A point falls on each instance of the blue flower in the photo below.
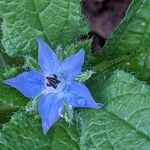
(55, 84)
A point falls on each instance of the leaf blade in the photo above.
(124, 122)
(53, 21)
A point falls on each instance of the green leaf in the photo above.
(0, 31)
(138, 64)
(24, 132)
(129, 44)
(124, 122)
(75, 47)
(2, 61)
(58, 22)
(133, 33)
(6, 112)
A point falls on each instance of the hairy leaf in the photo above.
(24, 132)
(129, 44)
(133, 33)
(123, 123)
(58, 22)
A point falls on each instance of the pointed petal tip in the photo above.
(8, 82)
(45, 128)
(45, 131)
(81, 51)
(100, 105)
(5, 81)
(40, 40)
(81, 54)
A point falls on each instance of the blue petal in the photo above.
(30, 84)
(50, 108)
(72, 66)
(78, 95)
(48, 60)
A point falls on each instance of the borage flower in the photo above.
(55, 84)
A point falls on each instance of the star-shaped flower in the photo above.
(55, 84)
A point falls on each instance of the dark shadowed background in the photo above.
(103, 17)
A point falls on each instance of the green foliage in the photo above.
(130, 42)
(123, 123)
(6, 112)
(58, 22)
(133, 33)
(24, 132)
